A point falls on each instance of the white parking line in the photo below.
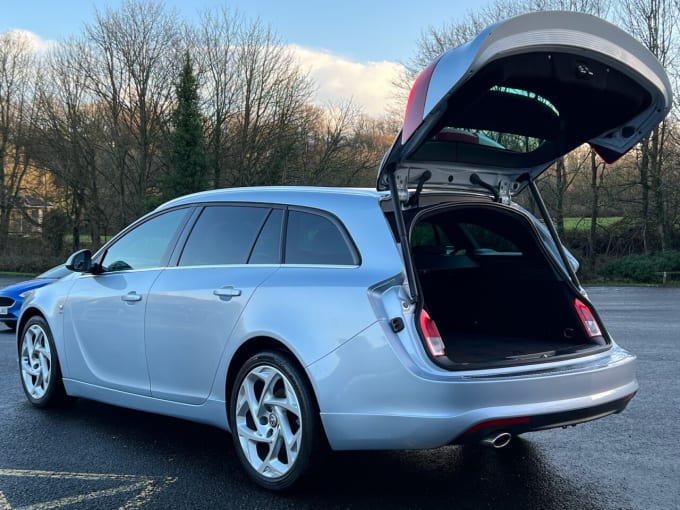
(142, 487)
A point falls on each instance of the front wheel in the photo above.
(274, 420)
(39, 366)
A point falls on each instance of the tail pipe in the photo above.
(497, 440)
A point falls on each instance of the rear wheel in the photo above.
(274, 420)
(39, 366)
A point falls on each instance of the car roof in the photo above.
(312, 196)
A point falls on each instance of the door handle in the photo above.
(227, 292)
(131, 297)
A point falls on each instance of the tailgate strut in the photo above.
(551, 228)
(403, 238)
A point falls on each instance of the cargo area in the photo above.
(491, 289)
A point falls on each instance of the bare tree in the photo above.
(216, 43)
(18, 69)
(271, 94)
(70, 137)
(131, 57)
(254, 93)
(655, 24)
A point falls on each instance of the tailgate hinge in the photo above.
(504, 191)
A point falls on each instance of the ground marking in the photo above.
(143, 488)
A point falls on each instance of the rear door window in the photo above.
(223, 235)
(315, 239)
(267, 249)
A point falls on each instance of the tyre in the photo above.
(39, 366)
(274, 421)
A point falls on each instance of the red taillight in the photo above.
(432, 337)
(501, 423)
(587, 318)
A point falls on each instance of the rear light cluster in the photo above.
(587, 318)
(433, 339)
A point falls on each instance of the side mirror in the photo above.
(80, 261)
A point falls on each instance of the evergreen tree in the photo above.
(187, 156)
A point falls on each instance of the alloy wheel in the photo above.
(36, 361)
(268, 421)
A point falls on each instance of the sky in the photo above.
(352, 48)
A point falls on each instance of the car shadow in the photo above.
(462, 477)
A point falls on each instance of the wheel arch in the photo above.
(27, 315)
(252, 347)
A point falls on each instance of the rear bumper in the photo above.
(522, 424)
(372, 396)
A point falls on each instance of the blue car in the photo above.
(12, 296)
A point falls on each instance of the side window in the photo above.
(314, 239)
(429, 239)
(267, 249)
(223, 235)
(489, 241)
(147, 245)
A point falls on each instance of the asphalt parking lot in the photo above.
(91, 455)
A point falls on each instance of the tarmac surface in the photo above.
(92, 455)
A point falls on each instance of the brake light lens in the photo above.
(433, 339)
(587, 318)
(501, 423)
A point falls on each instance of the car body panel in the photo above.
(377, 398)
(104, 332)
(554, 68)
(187, 325)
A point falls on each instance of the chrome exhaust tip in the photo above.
(497, 440)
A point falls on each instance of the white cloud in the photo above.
(35, 42)
(369, 84)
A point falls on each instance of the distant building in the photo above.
(27, 215)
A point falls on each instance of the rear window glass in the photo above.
(315, 239)
(223, 235)
(485, 130)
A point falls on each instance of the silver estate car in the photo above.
(431, 311)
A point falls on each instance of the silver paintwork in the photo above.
(170, 352)
(537, 32)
